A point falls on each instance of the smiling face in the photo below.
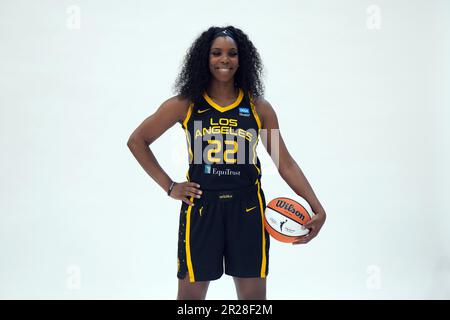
(223, 59)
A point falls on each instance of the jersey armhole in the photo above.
(188, 116)
(255, 114)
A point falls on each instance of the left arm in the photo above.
(288, 168)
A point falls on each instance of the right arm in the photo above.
(169, 113)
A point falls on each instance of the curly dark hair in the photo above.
(195, 75)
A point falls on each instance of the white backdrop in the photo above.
(360, 89)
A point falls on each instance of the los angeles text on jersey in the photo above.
(223, 126)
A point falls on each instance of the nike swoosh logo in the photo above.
(201, 111)
(250, 209)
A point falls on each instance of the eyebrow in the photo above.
(221, 49)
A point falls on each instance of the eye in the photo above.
(233, 54)
(215, 53)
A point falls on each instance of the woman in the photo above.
(221, 108)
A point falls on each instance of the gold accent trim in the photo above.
(254, 153)
(188, 115)
(264, 259)
(258, 121)
(188, 138)
(225, 108)
(188, 244)
(255, 114)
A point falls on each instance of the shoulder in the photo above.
(178, 106)
(178, 103)
(265, 111)
(262, 104)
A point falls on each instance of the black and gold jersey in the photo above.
(222, 143)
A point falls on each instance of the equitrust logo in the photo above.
(219, 172)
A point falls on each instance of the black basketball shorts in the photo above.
(224, 229)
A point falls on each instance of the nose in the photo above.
(224, 60)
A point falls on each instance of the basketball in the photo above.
(284, 218)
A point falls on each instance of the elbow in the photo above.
(133, 141)
(130, 142)
(282, 171)
(285, 167)
(137, 141)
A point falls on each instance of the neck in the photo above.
(222, 90)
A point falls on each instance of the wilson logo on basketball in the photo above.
(285, 218)
(289, 207)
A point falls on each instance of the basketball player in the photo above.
(221, 108)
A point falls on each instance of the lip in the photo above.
(218, 68)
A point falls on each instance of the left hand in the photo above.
(315, 224)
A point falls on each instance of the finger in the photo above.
(310, 231)
(311, 235)
(300, 240)
(310, 223)
(307, 238)
(184, 192)
(188, 202)
(193, 184)
(194, 190)
(191, 194)
(303, 239)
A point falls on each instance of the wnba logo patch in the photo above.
(244, 111)
(207, 168)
